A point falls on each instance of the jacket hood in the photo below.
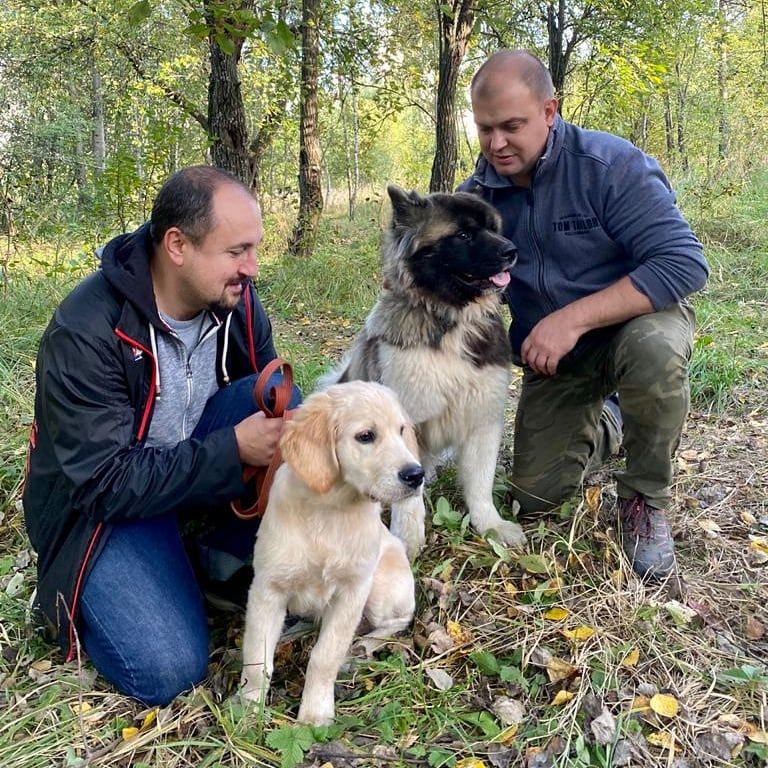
(125, 265)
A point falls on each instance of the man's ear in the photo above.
(174, 241)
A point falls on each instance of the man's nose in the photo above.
(249, 264)
(497, 140)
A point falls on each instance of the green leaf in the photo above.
(291, 742)
(226, 45)
(198, 31)
(445, 516)
(486, 662)
(438, 758)
(482, 720)
(138, 12)
(533, 564)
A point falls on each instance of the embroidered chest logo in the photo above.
(137, 353)
(575, 224)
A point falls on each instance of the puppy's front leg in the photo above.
(407, 523)
(340, 619)
(476, 460)
(264, 618)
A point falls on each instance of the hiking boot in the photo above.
(646, 538)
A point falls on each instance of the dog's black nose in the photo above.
(412, 475)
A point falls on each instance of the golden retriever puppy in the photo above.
(322, 549)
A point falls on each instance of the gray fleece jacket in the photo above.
(598, 209)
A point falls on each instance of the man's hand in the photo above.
(551, 339)
(555, 335)
(257, 438)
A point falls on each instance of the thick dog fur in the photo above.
(322, 550)
(436, 337)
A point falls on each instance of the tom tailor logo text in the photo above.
(575, 225)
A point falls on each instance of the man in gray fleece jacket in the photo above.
(597, 301)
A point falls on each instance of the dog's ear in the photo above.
(407, 207)
(308, 443)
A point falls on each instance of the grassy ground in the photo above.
(559, 657)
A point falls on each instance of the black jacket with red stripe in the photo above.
(88, 467)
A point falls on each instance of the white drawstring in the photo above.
(153, 344)
(224, 373)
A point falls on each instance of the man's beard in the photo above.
(226, 303)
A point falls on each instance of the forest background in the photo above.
(556, 658)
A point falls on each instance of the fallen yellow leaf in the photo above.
(470, 762)
(457, 633)
(759, 543)
(579, 634)
(150, 718)
(665, 705)
(507, 736)
(592, 497)
(640, 704)
(710, 527)
(41, 666)
(753, 733)
(558, 669)
(631, 659)
(129, 733)
(81, 709)
(747, 518)
(561, 697)
(510, 588)
(556, 614)
(662, 739)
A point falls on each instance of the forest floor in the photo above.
(559, 657)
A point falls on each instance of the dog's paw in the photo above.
(407, 523)
(316, 713)
(509, 533)
(254, 690)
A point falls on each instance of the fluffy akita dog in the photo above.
(436, 337)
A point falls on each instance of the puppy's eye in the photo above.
(462, 235)
(365, 437)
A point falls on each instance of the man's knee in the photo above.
(160, 676)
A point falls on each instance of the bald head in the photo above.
(505, 66)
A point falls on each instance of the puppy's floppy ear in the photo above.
(407, 207)
(308, 443)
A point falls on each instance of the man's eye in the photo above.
(365, 437)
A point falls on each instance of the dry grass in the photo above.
(480, 677)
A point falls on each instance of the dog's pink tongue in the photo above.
(501, 279)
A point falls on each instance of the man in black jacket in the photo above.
(144, 418)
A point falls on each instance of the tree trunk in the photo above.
(98, 138)
(455, 27)
(681, 148)
(310, 187)
(668, 129)
(557, 51)
(722, 82)
(226, 111)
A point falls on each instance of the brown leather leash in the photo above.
(261, 477)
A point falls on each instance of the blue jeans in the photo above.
(143, 622)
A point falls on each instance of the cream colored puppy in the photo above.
(322, 549)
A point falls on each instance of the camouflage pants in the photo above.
(562, 430)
